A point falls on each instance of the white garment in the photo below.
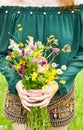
(32, 3)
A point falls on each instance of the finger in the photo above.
(24, 95)
(33, 94)
(41, 103)
(24, 92)
(27, 104)
(28, 99)
(30, 93)
(41, 97)
(27, 108)
(45, 104)
(33, 100)
(39, 91)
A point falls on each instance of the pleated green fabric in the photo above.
(66, 25)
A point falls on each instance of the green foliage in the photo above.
(4, 123)
(39, 119)
(76, 124)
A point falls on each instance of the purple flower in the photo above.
(55, 50)
(21, 72)
(9, 53)
(43, 62)
(23, 66)
(23, 52)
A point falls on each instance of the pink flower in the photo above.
(27, 53)
(12, 67)
(55, 50)
(32, 47)
(35, 61)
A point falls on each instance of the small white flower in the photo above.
(14, 46)
(41, 69)
(63, 67)
(39, 45)
(30, 40)
(54, 65)
(9, 47)
(59, 71)
(8, 58)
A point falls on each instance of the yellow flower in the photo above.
(66, 48)
(49, 47)
(17, 67)
(46, 72)
(53, 83)
(54, 90)
(50, 78)
(20, 29)
(44, 87)
(63, 82)
(22, 62)
(19, 25)
(13, 56)
(51, 36)
(53, 72)
(46, 67)
(56, 41)
(37, 54)
(21, 44)
(56, 77)
(34, 76)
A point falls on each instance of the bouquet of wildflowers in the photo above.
(34, 62)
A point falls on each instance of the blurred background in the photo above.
(76, 124)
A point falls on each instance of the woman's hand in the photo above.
(46, 95)
(36, 98)
(24, 95)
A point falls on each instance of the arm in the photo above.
(75, 65)
(11, 76)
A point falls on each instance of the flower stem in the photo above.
(55, 56)
(49, 55)
(46, 50)
(13, 37)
